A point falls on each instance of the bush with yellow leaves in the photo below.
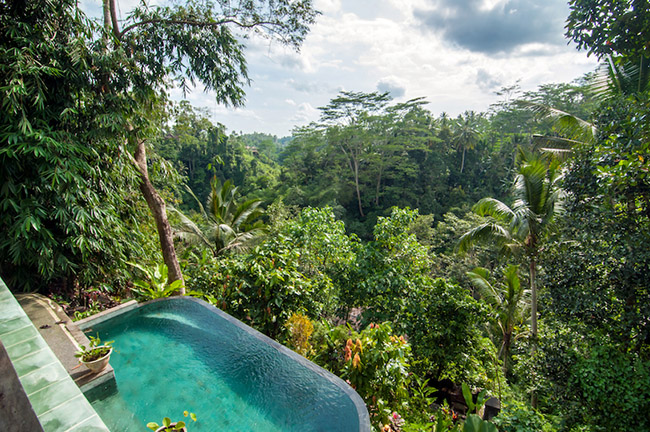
(300, 329)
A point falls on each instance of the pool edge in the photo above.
(362, 411)
(86, 323)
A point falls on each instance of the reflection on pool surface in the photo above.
(182, 354)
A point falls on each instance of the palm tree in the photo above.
(228, 224)
(465, 134)
(523, 227)
(617, 77)
(509, 302)
(622, 76)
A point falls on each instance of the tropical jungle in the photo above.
(500, 254)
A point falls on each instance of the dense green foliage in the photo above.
(200, 150)
(69, 209)
(78, 98)
(606, 27)
(596, 285)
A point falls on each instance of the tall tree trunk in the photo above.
(505, 350)
(159, 211)
(533, 301)
(106, 7)
(378, 186)
(353, 163)
(356, 184)
(154, 200)
(115, 24)
(533, 318)
(462, 163)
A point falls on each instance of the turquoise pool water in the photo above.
(182, 354)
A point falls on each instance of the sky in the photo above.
(455, 53)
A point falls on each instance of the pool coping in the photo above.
(362, 411)
(85, 323)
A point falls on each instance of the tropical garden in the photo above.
(496, 254)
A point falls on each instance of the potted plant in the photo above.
(169, 426)
(96, 356)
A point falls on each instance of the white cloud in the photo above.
(328, 6)
(305, 114)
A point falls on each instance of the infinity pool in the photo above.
(182, 354)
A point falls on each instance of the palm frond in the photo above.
(553, 143)
(560, 148)
(484, 233)
(493, 208)
(479, 278)
(605, 83)
(228, 223)
(241, 242)
(188, 230)
(226, 233)
(621, 77)
(513, 282)
(245, 211)
(530, 185)
(198, 202)
(566, 123)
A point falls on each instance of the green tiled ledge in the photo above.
(55, 398)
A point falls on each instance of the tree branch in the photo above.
(197, 23)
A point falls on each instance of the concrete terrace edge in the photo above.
(40, 371)
(16, 412)
(63, 337)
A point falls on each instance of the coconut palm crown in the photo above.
(228, 223)
(509, 302)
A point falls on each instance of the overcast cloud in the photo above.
(393, 85)
(496, 26)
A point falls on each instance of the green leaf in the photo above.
(467, 394)
(474, 423)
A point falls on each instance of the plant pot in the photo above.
(170, 428)
(100, 364)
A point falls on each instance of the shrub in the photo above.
(264, 287)
(377, 366)
(611, 389)
(327, 342)
(300, 329)
(443, 325)
(520, 417)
